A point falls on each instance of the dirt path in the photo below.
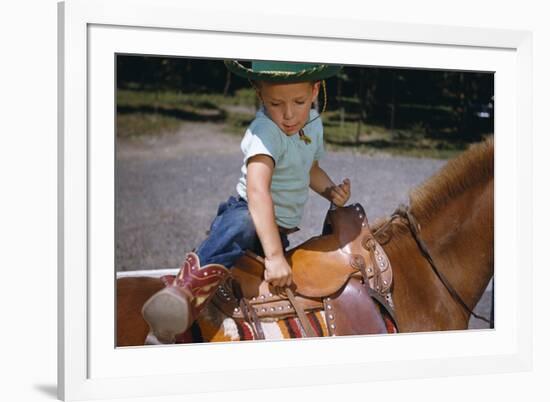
(191, 138)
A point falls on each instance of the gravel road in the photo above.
(168, 189)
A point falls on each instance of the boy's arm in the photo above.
(260, 205)
(320, 182)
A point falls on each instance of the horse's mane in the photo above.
(472, 167)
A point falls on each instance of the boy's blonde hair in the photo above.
(256, 84)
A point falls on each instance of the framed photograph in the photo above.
(100, 39)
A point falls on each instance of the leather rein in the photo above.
(404, 212)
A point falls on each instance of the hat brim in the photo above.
(320, 72)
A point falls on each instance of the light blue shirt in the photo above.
(293, 160)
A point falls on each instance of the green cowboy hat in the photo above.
(278, 71)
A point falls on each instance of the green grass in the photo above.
(152, 113)
(140, 124)
(183, 100)
(237, 123)
(373, 139)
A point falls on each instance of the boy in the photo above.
(281, 149)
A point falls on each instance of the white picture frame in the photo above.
(91, 32)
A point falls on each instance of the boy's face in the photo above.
(288, 105)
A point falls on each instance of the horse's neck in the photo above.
(459, 236)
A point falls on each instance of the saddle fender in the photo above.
(352, 311)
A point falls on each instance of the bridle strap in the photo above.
(404, 212)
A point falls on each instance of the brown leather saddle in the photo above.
(344, 272)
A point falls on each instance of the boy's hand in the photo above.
(340, 194)
(277, 271)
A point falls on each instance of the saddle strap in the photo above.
(306, 325)
(383, 302)
(254, 322)
(248, 311)
(370, 245)
(376, 294)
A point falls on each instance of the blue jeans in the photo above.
(231, 233)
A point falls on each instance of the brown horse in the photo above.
(454, 216)
(454, 212)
